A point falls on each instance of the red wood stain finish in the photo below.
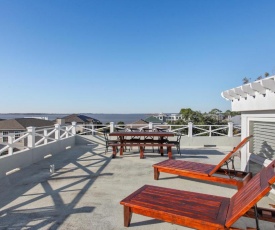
(170, 205)
(197, 210)
(185, 166)
(238, 147)
(251, 193)
(204, 171)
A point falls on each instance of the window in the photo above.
(5, 139)
(16, 134)
(262, 145)
(264, 139)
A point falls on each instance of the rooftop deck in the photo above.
(87, 186)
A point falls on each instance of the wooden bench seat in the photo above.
(197, 210)
(141, 146)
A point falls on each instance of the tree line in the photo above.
(213, 117)
(247, 79)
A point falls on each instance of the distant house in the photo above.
(171, 117)
(144, 123)
(18, 126)
(138, 124)
(161, 116)
(154, 120)
(81, 120)
(236, 120)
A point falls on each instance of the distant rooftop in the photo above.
(23, 123)
(153, 120)
(80, 119)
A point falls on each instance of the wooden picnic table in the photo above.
(142, 142)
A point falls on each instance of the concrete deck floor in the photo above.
(87, 186)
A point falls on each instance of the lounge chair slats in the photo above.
(250, 194)
(170, 205)
(229, 155)
(197, 210)
(185, 167)
(207, 172)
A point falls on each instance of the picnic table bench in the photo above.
(147, 141)
(142, 144)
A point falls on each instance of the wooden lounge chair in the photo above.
(197, 210)
(207, 172)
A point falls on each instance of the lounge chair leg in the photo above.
(256, 217)
(127, 216)
(156, 173)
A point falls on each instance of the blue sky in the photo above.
(130, 56)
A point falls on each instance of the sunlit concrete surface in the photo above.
(85, 190)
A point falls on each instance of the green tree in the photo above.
(215, 111)
(187, 113)
(245, 80)
(259, 78)
(266, 74)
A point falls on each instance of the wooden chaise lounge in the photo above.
(197, 210)
(207, 172)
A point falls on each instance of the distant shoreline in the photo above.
(127, 118)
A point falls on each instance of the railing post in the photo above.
(210, 131)
(10, 151)
(112, 127)
(57, 132)
(151, 125)
(74, 128)
(46, 136)
(93, 129)
(67, 131)
(190, 129)
(230, 129)
(31, 137)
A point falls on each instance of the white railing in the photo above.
(35, 137)
(192, 130)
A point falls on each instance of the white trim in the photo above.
(255, 96)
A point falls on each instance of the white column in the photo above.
(31, 137)
(74, 128)
(230, 129)
(57, 131)
(10, 151)
(190, 129)
(112, 127)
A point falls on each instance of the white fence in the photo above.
(35, 137)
